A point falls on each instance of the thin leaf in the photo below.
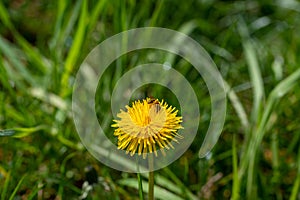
(254, 70)
(235, 177)
(34, 192)
(13, 57)
(20, 132)
(296, 185)
(256, 77)
(4, 79)
(276, 94)
(17, 188)
(156, 13)
(62, 172)
(4, 16)
(61, 7)
(7, 133)
(187, 28)
(50, 98)
(96, 13)
(62, 33)
(237, 105)
(5, 186)
(75, 49)
(32, 54)
(179, 184)
(159, 192)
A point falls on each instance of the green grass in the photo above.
(255, 46)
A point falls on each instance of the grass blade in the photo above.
(141, 194)
(17, 188)
(50, 98)
(4, 16)
(5, 187)
(156, 13)
(296, 185)
(256, 78)
(258, 95)
(235, 177)
(61, 7)
(159, 192)
(96, 13)
(237, 105)
(276, 94)
(180, 185)
(63, 29)
(13, 56)
(75, 49)
(34, 192)
(34, 56)
(254, 71)
(20, 132)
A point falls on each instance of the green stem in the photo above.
(140, 186)
(151, 179)
(235, 178)
(151, 186)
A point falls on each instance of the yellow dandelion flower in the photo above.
(147, 125)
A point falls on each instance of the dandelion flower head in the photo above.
(147, 125)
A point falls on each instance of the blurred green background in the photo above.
(255, 45)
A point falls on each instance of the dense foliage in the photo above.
(255, 45)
